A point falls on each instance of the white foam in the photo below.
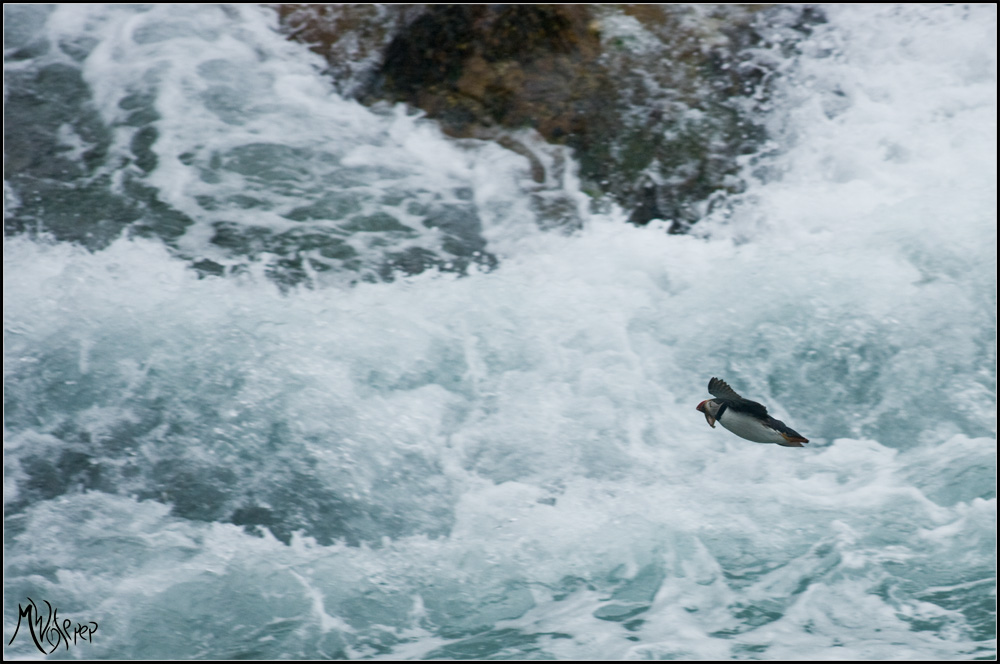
(534, 426)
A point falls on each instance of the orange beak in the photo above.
(708, 418)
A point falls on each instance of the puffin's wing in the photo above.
(720, 389)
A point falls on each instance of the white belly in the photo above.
(748, 427)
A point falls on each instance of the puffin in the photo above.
(747, 419)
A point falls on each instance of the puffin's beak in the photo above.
(708, 418)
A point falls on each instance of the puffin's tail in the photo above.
(792, 438)
(793, 441)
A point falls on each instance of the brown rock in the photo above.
(656, 100)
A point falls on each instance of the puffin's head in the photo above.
(705, 407)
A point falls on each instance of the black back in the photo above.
(728, 397)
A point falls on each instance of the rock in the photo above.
(656, 101)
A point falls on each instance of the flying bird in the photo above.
(747, 419)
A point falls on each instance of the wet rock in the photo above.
(658, 102)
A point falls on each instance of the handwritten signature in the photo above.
(49, 630)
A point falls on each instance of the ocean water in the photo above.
(288, 377)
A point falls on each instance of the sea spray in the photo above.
(505, 461)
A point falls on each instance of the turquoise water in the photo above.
(252, 427)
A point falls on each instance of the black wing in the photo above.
(719, 389)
